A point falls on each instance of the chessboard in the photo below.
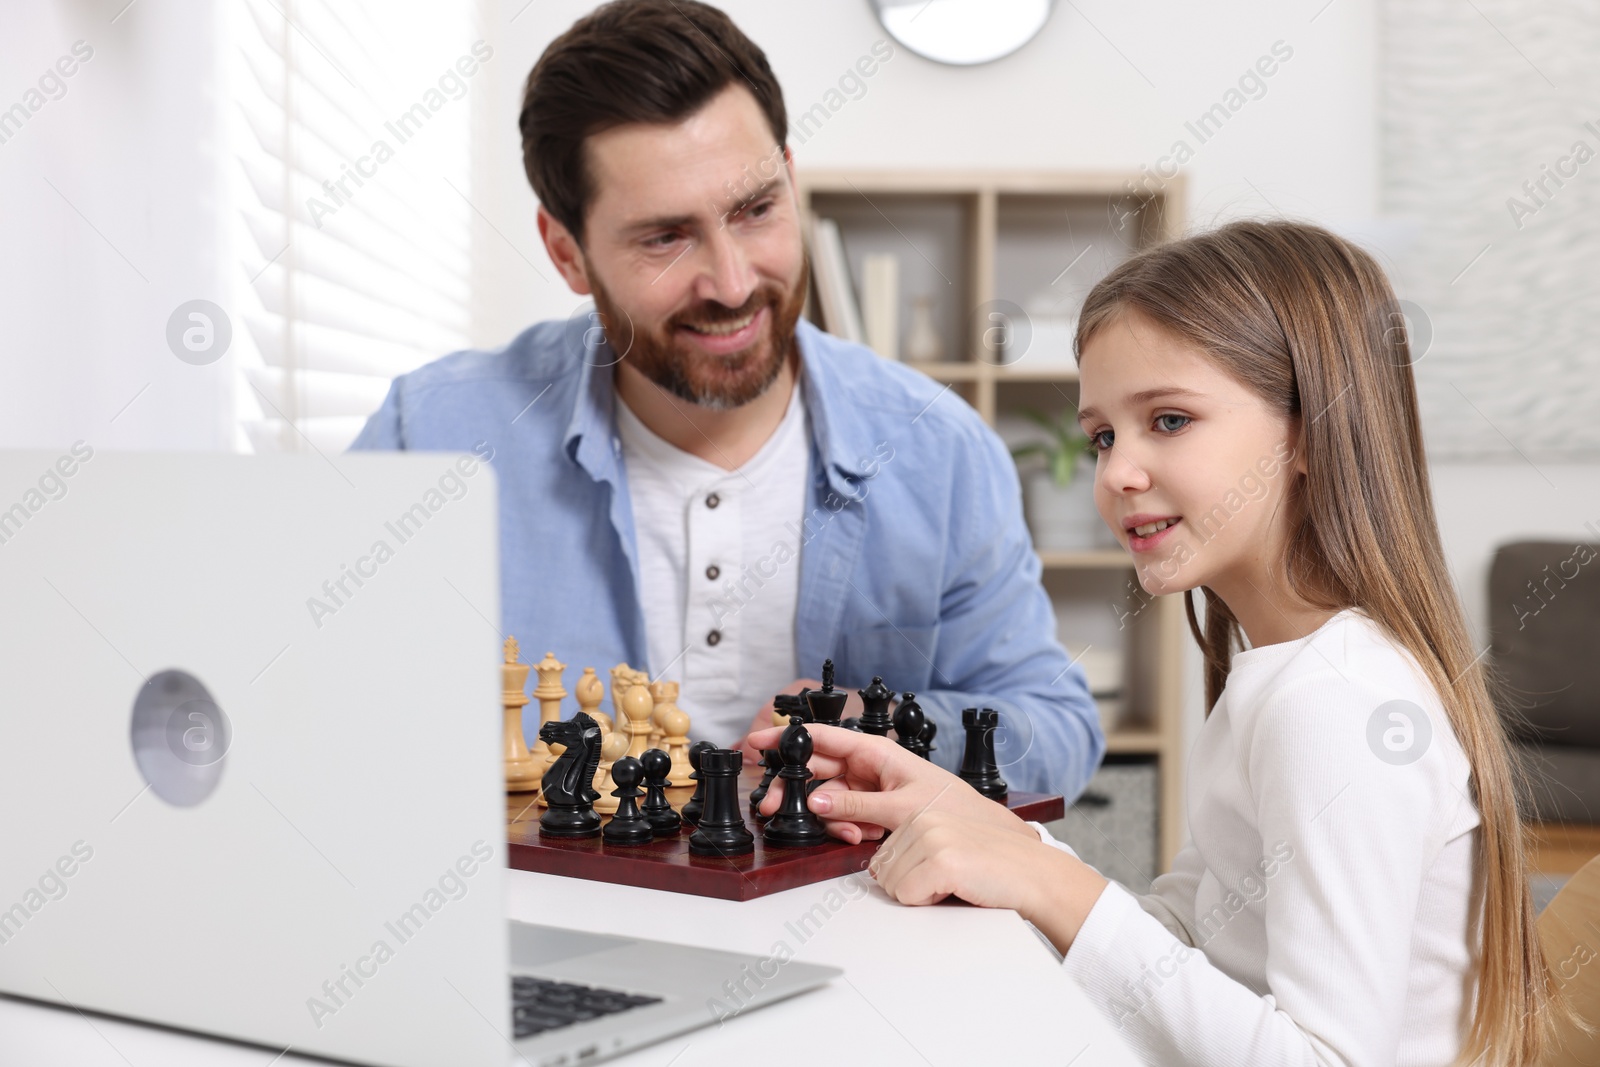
(667, 864)
(576, 758)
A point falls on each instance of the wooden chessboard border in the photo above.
(667, 864)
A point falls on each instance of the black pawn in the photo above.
(795, 825)
(978, 767)
(930, 730)
(826, 704)
(909, 722)
(875, 700)
(657, 765)
(770, 765)
(691, 810)
(628, 827)
(722, 831)
(852, 723)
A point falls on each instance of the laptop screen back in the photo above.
(252, 748)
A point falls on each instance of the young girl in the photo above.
(1354, 889)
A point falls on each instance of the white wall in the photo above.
(91, 269)
(1486, 146)
(1108, 95)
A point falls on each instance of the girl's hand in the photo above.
(937, 855)
(876, 785)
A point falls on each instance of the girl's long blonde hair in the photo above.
(1310, 323)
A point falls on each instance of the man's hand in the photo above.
(763, 721)
(875, 785)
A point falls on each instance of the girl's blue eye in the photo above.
(1162, 423)
(1101, 441)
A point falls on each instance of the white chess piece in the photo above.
(637, 706)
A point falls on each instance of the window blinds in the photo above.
(351, 148)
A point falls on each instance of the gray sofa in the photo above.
(1544, 631)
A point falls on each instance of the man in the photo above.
(695, 479)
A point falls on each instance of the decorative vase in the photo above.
(1063, 518)
(923, 344)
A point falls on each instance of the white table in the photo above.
(941, 985)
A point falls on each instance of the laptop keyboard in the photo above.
(538, 1004)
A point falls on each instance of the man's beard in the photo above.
(717, 383)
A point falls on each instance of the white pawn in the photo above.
(661, 693)
(675, 739)
(637, 705)
(590, 692)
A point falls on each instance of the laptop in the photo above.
(253, 763)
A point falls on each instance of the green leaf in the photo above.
(1067, 443)
(1063, 465)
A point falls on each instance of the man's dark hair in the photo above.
(628, 61)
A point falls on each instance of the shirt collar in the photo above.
(839, 428)
(591, 437)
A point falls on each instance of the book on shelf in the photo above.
(841, 316)
(880, 303)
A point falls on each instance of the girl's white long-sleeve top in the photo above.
(1324, 910)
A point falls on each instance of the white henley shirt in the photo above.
(719, 563)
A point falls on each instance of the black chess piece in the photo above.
(909, 722)
(770, 765)
(978, 767)
(875, 700)
(568, 786)
(852, 722)
(795, 825)
(628, 827)
(657, 765)
(791, 704)
(930, 730)
(696, 804)
(826, 704)
(722, 831)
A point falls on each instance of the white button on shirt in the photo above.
(719, 567)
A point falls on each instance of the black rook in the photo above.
(722, 831)
(978, 767)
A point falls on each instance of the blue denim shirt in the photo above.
(916, 563)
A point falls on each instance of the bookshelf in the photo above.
(1028, 245)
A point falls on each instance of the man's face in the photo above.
(692, 249)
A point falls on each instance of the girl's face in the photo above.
(1193, 467)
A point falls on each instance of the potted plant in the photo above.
(1058, 494)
